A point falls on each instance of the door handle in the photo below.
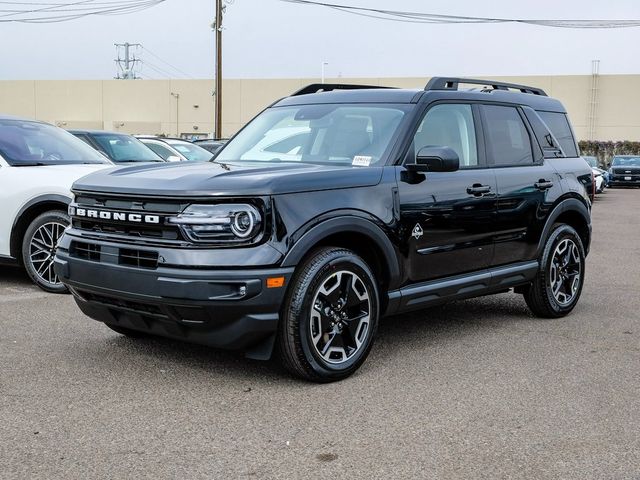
(543, 184)
(478, 189)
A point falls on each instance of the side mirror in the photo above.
(173, 158)
(435, 159)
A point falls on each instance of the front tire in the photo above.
(330, 316)
(39, 247)
(558, 284)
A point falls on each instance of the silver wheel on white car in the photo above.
(39, 248)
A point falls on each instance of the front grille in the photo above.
(86, 251)
(129, 230)
(138, 258)
(136, 231)
(107, 254)
(136, 307)
(623, 171)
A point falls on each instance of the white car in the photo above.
(599, 179)
(38, 165)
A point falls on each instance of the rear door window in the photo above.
(509, 142)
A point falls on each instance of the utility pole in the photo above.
(218, 93)
(126, 66)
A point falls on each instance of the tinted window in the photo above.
(559, 126)
(449, 126)
(191, 151)
(550, 145)
(508, 139)
(124, 148)
(161, 150)
(33, 143)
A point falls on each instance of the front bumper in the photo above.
(624, 180)
(230, 308)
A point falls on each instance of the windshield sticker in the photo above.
(361, 161)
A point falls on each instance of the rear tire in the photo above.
(330, 316)
(558, 284)
(38, 249)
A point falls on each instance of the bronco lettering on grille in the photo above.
(117, 216)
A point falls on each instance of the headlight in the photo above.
(224, 222)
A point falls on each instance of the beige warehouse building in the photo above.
(603, 107)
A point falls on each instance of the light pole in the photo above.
(324, 64)
(177, 97)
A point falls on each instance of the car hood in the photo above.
(185, 179)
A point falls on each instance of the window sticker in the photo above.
(361, 161)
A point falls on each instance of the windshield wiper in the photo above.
(30, 164)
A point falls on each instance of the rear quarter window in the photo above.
(558, 124)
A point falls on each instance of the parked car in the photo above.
(176, 150)
(598, 178)
(593, 163)
(624, 171)
(38, 164)
(214, 146)
(386, 201)
(117, 147)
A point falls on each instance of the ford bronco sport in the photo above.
(333, 207)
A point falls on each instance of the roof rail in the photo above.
(327, 87)
(449, 83)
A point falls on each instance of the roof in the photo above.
(373, 95)
(96, 132)
(438, 88)
(161, 139)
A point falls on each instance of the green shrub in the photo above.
(604, 151)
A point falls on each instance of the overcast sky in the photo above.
(269, 38)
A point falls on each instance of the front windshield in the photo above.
(345, 134)
(591, 161)
(626, 161)
(25, 143)
(125, 148)
(191, 151)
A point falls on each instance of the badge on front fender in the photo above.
(417, 231)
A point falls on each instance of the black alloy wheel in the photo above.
(330, 316)
(559, 281)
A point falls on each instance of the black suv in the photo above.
(333, 207)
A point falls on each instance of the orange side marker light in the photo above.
(275, 282)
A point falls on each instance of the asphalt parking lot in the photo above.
(475, 389)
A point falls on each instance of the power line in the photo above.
(167, 63)
(431, 18)
(158, 69)
(52, 12)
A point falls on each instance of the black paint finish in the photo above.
(432, 236)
